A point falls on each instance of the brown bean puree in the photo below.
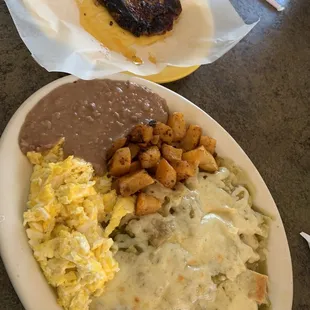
(90, 115)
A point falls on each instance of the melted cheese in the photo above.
(192, 256)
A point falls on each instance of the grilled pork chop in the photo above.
(144, 17)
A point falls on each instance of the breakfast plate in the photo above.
(24, 272)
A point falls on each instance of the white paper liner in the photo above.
(52, 32)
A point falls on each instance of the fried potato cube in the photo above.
(150, 157)
(130, 184)
(208, 162)
(164, 131)
(183, 169)
(159, 144)
(202, 158)
(165, 174)
(171, 153)
(192, 137)
(155, 140)
(134, 150)
(141, 134)
(147, 204)
(120, 162)
(152, 170)
(176, 144)
(142, 145)
(135, 166)
(177, 122)
(194, 156)
(209, 143)
(117, 144)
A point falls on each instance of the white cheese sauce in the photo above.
(194, 255)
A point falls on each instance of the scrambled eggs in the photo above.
(66, 204)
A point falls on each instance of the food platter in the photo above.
(22, 268)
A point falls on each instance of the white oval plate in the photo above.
(22, 268)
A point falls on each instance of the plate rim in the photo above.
(121, 76)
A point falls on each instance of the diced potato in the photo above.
(183, 169)
(120, 162)
(141, 134)
(130, 184)
(165, 174)
(176, 144)
(152, 170)
(134, 150)
(192, 137)
(177, 123)
(150, 157)
(159, 144)
(164, 131)
(208, 162)
(147, 204)
(171, 153)
(155, 139)
(142, 145)
(135, 166)
(202, 158)
(194, 156)
(117, 144)
(209, 143)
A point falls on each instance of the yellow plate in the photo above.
(169, 74)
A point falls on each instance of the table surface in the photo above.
(259, 92)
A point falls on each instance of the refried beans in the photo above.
(90, 115)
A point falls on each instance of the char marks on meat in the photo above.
(144, 17)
